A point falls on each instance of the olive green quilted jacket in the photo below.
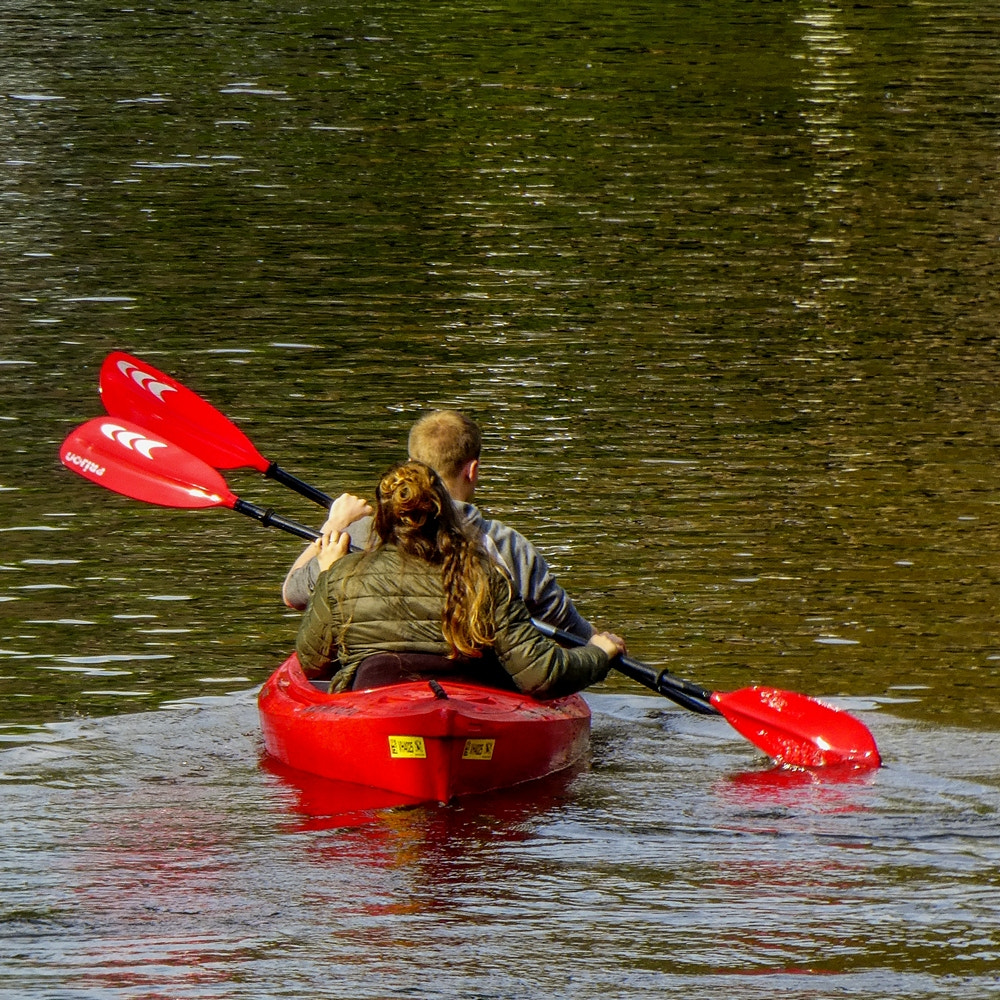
(383, 601)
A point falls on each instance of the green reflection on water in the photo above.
(716, 281)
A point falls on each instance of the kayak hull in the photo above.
(430, 741)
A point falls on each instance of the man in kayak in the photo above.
(451, 444)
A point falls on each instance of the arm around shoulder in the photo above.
(300, 581)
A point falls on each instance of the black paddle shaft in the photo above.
(684, 693)
(270, 519)
(279, 475)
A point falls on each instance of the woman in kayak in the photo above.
(425, 601)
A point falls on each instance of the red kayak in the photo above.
(430, 740)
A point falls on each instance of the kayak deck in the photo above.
(431, 740)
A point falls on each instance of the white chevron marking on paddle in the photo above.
(131, 439)
(144, 380)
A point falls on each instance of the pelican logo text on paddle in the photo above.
(144, 380)
(131, 439)
(91, 468)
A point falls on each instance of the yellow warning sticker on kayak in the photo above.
(478, 750)
(407, 747)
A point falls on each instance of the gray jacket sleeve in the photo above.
(300, 584)
(544, 598)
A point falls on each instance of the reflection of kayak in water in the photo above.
(431, 740)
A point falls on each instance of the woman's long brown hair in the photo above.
(416, 513)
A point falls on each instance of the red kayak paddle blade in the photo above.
(796, 730)
(128, 459)
(135, 390)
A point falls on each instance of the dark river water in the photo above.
(718, 281)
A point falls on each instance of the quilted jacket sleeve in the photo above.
(537, 665)
(316, 641)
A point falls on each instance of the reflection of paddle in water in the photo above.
(830, 790)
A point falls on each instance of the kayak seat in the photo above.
(383, 669)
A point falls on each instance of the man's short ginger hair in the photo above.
(445, 440)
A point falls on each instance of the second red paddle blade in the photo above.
(797, 730)
(139, 392)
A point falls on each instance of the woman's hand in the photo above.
(334, 542)
(331, 545)
(613, 645)
(344, 511)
